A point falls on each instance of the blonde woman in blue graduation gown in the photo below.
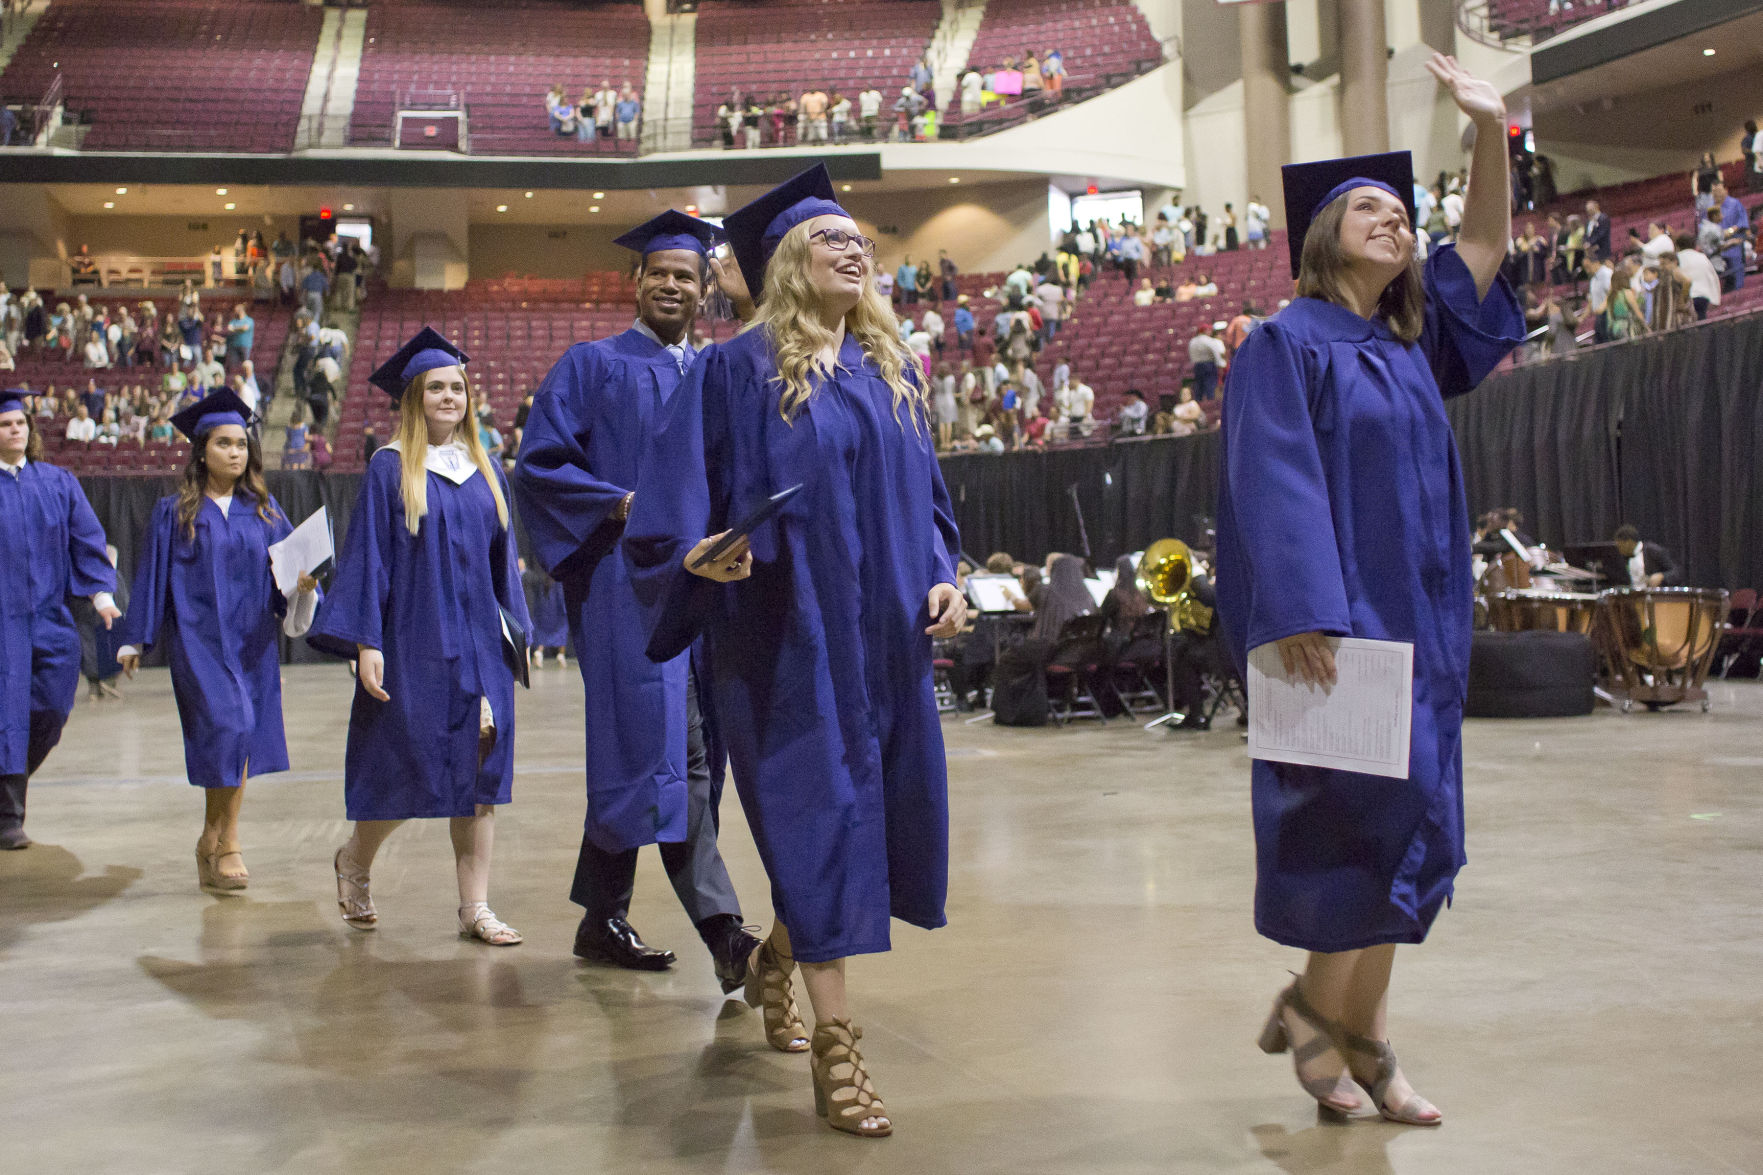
(204, 587)
(1342, 513)
(427, 600)
(820, 635)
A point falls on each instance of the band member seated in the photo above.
(1642, 564)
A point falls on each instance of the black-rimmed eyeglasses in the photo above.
(838, 240)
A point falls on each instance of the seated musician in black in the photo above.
(1019, 694)
(1195, 654)
(1642, 564)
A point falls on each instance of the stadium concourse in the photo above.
(238, 233)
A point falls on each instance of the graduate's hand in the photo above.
(733, 283)
(1480, 100)
(370, 669)
(1307, 658)
(109, 615)
(736, 563)
(308, 584)
(129, 662)
(948, 611)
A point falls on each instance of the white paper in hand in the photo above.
(302, 552)
(1361, 723)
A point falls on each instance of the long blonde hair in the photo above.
(1403, 303)
(413, 447)
(790, 319)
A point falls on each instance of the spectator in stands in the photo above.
(1146, 294)
(8, 125)
(241, 334)
(906, 282)
(1597, 230)
(296, 453)
(869, 104)
(1051, 297)
(1735, 229)
(933, 325)
(370, 442)
(1238, 329)
(84, 267)
(95, 353)
(314, 285)
(1132, 254)
(1207, 288)
(626, 113)
(6, 361)
(1133, 414)
(972, 91)
(1256, 219)
(345, 287)
(920, 74)
(1205, 355)
(1671, 305)
(321, 451)
(839, 114)
(1702, 181)
(907, 107)
(730, 123)
(1053, 72)
(1749, 148)
(812, 110)
(1076, 404)
(1623, 315)
(559, 111)
(1658, 242)
(963, 325)
(1187, 417)
(1634, 246)
(248, 396)
(1704, 280)
(605, 109)
(82, 427)
(1032, 81)
(210, 370)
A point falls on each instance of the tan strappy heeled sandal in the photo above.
(843, 1093)
(1414, 1110)
(224, 880)
(768, 988)
(353, 897)
(1330, 1092)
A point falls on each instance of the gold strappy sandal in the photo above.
(843, 1093)
(353, 897)
(768, 988)
(477, 920)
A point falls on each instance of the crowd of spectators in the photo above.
(820, 115)
(603, 113)
(1036, 79)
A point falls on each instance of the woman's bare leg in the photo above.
(474, 837)
(369, 835)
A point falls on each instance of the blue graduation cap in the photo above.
(1311, 187)
(754, 230)
(428, 350)
(670, 230)
(15, 400)
(212, 411)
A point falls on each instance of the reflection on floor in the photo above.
(1591, 1004)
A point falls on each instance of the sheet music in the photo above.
(1361, 723)
(993, 593)
(303, 551)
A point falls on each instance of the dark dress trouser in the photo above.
(44, 734)
(604, 882)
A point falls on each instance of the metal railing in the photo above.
(1508, 23)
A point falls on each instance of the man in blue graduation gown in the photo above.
(51, 550)
(649, 775)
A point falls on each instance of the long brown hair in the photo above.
(790, 319)
(194, 487)
(413, 446)
(33, 440)
(1403, 302)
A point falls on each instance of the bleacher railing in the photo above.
(1505, 23)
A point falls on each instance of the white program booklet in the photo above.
(302, 552)
(1361, 723)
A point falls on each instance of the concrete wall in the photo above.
(986, 228)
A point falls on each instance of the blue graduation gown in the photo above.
(544, 604)
(51, 548)
(215, 602)
(432, 604)
(1341, 509)
(819, 664)
(579, 456)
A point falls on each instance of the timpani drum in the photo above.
(1530, 611)
(1657, 643)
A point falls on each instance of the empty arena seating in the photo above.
(1541, 19)
(173, 75)
(500, 67)
(774, 48)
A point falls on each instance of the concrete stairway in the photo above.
(18, 26)
(330, 88)
(670, 83)
(950, 46)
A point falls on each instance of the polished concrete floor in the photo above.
(1593, 1004)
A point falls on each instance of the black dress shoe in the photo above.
(615, 941)
(14, 837)
(730, 949)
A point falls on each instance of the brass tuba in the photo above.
(1166, 574)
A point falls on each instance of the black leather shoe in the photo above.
(615, 941)
(14, 838)
(730, 949)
